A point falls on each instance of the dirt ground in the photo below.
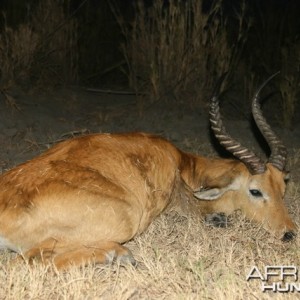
(29, 124)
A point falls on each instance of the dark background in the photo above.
(93, 55)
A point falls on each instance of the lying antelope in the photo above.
(82, 199)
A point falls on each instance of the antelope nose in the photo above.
(288, 236)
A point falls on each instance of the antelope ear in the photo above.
(215, 193)
(209, 194)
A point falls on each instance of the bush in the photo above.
(41, 50)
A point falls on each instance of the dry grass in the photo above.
(17, 54)
(41, 51)
(267, 53)
(58, 50)
(178, 257)
(176, 51)
(290, 83)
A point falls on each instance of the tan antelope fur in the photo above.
(82, 199)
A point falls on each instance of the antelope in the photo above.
(81, 200)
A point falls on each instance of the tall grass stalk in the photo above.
(290, 81)
(176, 51)
(42, 50)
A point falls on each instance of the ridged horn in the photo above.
(278, 151)
(253, 163)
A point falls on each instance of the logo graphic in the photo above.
(280, 279)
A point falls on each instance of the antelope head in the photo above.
(257, 188)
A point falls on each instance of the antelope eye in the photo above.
(256, 193)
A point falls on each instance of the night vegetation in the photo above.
(166, 50)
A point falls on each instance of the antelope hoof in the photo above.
(288, 236)
(127, 259)
(123, 259)
(217, 220)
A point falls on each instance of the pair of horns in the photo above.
(254, 164)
